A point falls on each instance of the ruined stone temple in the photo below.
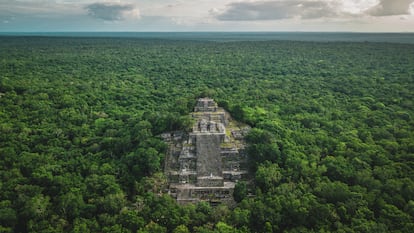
(206, 163)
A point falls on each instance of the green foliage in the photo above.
(262, 148)
(222, 227)
(268, 175)
(240, 191)
(331, 149)
(181, 229)
(152, 227)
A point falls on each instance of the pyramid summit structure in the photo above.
(206, 163)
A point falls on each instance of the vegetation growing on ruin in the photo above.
(332, 147)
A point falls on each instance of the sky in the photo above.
(207, 15)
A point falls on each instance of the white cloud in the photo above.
(281, 9)
(311, 9)
(43, 8)
(391, 7)
(113, 11)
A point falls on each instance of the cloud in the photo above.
(391, 7)
(42, 8)
(281, 9)
(113, 11)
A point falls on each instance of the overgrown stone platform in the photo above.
(206, 163)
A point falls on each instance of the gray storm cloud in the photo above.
(391, 7)
(276, 10)
(112, 11)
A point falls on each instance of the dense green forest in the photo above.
(331, 149)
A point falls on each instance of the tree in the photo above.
(131, 220)
(268, 176)
(71, 203)
(222, 227)
(181, 229)
(240, 191)
(152, 227)
(334, 192)
(240, 217)
(8, 216)
(262, 147)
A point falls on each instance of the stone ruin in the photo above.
(206, 163)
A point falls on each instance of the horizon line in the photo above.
(297, 31)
